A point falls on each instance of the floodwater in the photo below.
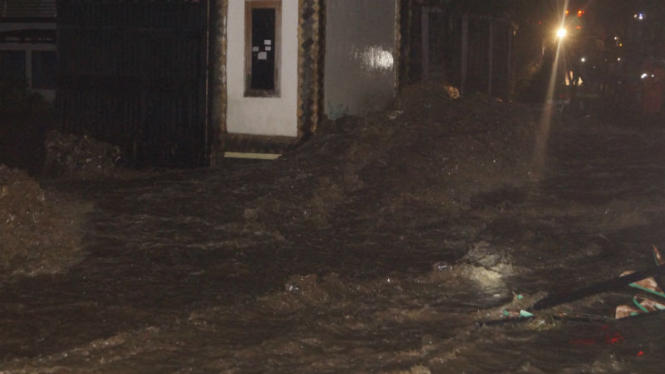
(186, 272)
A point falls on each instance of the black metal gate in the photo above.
(134, 73)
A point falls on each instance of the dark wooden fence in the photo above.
(471, 52)
(133, 73)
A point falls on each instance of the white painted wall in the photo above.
(276, 116)
(361, 62)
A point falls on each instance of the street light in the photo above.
(561, 33)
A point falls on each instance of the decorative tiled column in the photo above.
(311, 30)
(217, 90)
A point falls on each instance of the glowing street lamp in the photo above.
(561, 33)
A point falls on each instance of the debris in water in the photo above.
(624, 311)
(647, 285)
(657, 257)
(394, 114)
(643, 304)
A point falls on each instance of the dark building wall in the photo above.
(22, 9)
(135, 74)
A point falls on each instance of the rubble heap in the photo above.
(431, 150)
(38, 233)
(80, 157)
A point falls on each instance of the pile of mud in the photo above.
(81, 157)
(431, 150)
(38, 233)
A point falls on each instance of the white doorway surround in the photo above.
(273, 114)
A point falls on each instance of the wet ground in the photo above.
(314, 266)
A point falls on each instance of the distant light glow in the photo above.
(561, 33)
(569, 81)
(580, 13)
(583, 59)
(618, 58)
(639, 16)
(644, 76)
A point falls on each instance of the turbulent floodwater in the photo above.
(181, 276)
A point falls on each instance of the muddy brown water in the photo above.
(181, 276)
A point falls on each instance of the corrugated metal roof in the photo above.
(28, 8)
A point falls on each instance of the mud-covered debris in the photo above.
(394, 114)
(418, 369)
(453, 92)
(518, 302)
(657, 257)
(79, 156)
(485, 280)
(307, 288)
(488, 280)
(483, 254)
(38, 233)
(429, 151)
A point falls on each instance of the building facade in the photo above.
(189, 82)
(28, 45)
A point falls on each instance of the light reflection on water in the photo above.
(545, 123)
(374, 58)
